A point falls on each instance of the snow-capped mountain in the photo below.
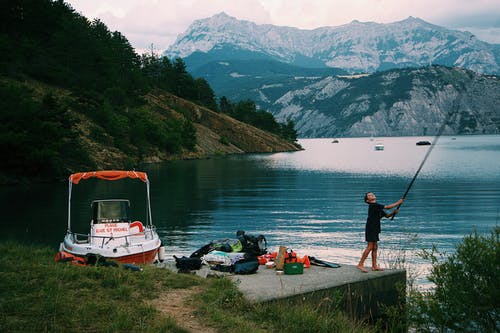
(303, 75)
(355, 47)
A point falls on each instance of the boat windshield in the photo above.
(110, 211)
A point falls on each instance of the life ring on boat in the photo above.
(138, 226)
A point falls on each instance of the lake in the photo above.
(310, 201)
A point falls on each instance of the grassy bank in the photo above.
(39, 295)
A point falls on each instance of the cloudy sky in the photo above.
(159, 22)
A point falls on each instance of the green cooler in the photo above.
(293, 268)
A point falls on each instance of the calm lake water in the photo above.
(311, 201)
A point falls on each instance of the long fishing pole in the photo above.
(436, 138)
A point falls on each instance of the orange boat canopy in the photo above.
(108, 175)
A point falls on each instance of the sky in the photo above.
(155, 24)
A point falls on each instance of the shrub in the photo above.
(466, 296)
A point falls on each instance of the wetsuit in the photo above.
(372, 228)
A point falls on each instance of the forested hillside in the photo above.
(72, 95)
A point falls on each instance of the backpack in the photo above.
(253, 245)
(246, 266)
(228, 245)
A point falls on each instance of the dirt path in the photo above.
(175, 304)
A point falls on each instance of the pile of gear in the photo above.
(244, 255)
(238, 256)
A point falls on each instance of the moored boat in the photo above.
(379, 145)
(112, 233)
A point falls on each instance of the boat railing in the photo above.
(102, 241)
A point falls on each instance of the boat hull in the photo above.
(147, 257)
(138, 253)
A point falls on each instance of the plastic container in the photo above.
(293, 268)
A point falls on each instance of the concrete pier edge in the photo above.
(363, 295)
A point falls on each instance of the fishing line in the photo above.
(436, 138)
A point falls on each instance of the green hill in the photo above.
(75, 96)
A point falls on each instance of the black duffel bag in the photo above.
(187, 264)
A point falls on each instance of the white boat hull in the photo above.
(133, 249)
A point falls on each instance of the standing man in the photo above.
(372, 228)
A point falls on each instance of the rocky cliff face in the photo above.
(395, 103)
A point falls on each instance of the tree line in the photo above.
(174, 78)
(47, 42)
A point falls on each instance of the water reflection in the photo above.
(31, 213)
(471, 156)
(189, 192)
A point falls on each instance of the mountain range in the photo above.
(354, 47)
(358, 79)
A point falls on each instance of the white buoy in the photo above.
(161, 254)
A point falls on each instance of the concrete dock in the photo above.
(267, 285)
(363, 295)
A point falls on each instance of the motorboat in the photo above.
(379, 145)
(112, 234)
(423, 143)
